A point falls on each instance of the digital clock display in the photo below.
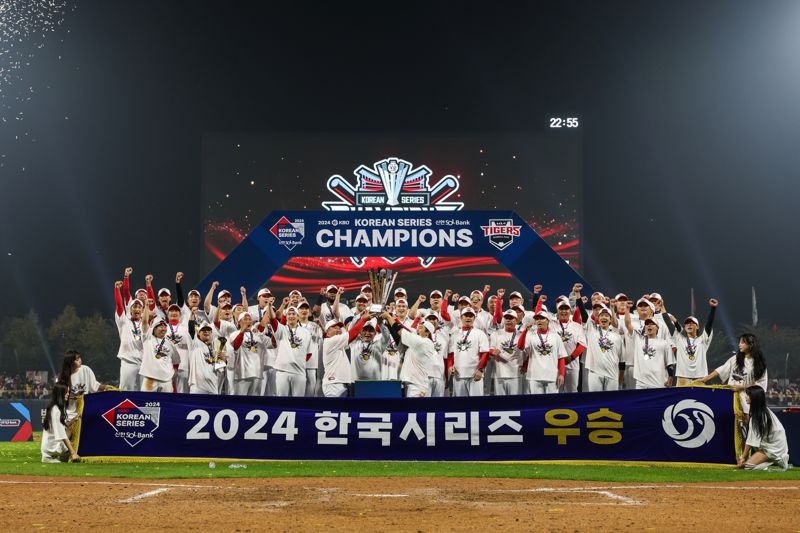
(564, 122)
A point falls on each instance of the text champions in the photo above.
(390, 238)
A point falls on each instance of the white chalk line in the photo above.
(636, 487)
(378, 495)
(138, 497)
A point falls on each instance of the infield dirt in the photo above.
(394, 504)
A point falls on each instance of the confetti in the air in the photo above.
(24, 25)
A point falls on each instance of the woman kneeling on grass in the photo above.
(56, 447)
(766, 437)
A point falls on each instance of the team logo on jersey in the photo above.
(508, 346)
(501, 232)
(289, 234)
(606, 344)
(464, 345)
(392, 184)
(695, 420)
(132, 423)
(649, 351)
(544, 348)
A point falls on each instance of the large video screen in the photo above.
(536, 174)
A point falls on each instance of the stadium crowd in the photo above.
(24, 387)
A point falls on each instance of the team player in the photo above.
(329, 306)
(654, 359)
(158, 355)
(178, 335)
(293, 351)
(544, 356)
(208, 358)
(605, 354)
(574, 338)
(313, 363)
(469, 352)
(436, 369)
(338, 375)
(507, 356)
(129, 328)
(691, 348)
(248, 346)
(366, 351)
(420, 351)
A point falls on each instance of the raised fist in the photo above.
(543, 298)
(242, 291)
(285, 301)
(148, 279)
(422, 298)
(537, 289)
(178, 277)
(487, 288)
(117, 284)
(713, 303)
(215, 284)
(577, 288)
(585, 299)
(501, 293)
(128, 271)
(341, 290)
(447, 293)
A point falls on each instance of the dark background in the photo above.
(688, 110)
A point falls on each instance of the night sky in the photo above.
(688, 112)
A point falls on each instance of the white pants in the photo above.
(268, 385)
(640, 385)
(288, 384)
(629, 380)
(524, 388)
(414, 391)
(488, 378)
(128, 376)
(506, 386)
(182, 382)
(437, 387)
(601, 383)
(334, 390)
(467, 387)
(542, 387)
(311, 382)
(154, 385)
(571, 377)
(228, 384)
(247, 387)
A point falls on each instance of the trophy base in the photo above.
(376, 308)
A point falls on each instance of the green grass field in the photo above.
(23, 458)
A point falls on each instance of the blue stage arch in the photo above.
(503, 235)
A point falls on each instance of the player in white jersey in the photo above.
(224, 326)
(367, 350)
(573, 336)
(420, 352)
(483, 318)
(313, 363)
(436, 370)
(248, 346)
(338, 374)
(747, 367)
(329, 306)
(208, 358)
(438, 305)
(544, 356)
(507, 355)
(362, 300)
(130, 340)
(178, 336)
(158, 356)
(294, 350)
(264, 299)
(654, 364)
(691, 345)
(469, 351)
(605, 354)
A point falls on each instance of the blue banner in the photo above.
(679, 424)
(499, 234)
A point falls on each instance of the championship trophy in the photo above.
(381, 282)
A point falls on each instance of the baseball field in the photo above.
(388, 496)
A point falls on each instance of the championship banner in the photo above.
(674, 425)
(503, 235)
